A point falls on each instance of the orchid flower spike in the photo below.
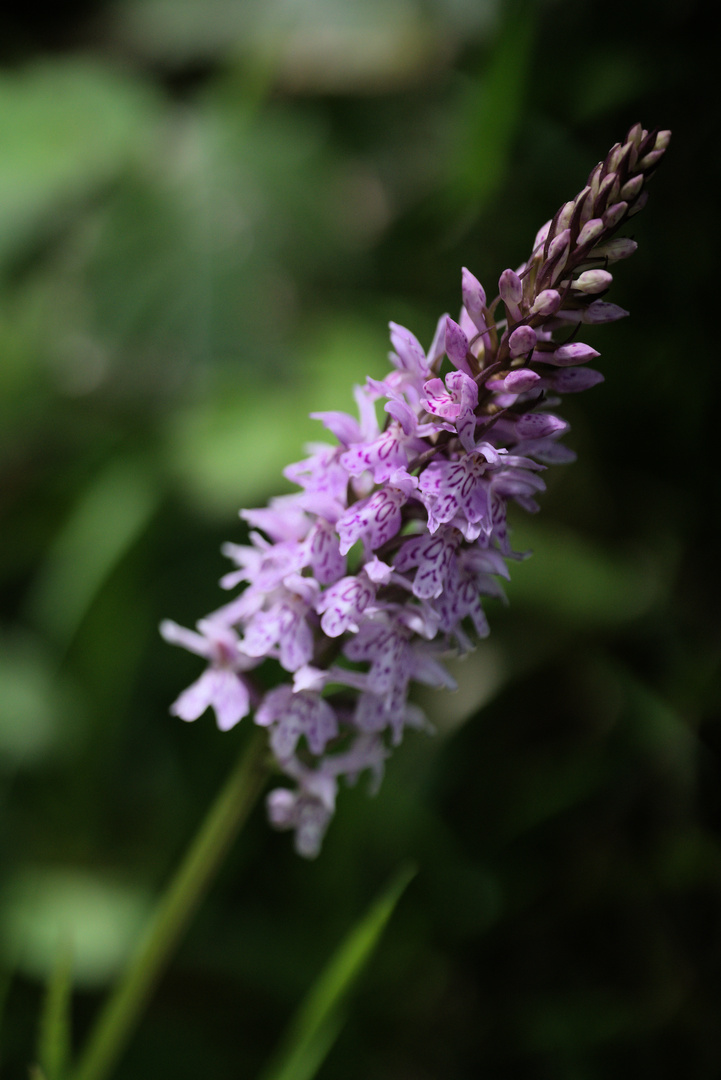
(374, 571)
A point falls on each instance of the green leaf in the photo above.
(33, 699)
(571, 579)
(65, 128)
(611, 79)
(54, 1040)
(320, 1017)
(108, 519)
(43, 906)
(209, 445)
(657, 729)
(493, 108)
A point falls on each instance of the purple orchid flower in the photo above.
(356, 586)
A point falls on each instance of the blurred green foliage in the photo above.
(209, 211)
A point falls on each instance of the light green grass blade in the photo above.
(314, 1028)
(108, 519)
(54, 1040)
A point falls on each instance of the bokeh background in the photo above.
(209, 211)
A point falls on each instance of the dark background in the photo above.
(209, 211)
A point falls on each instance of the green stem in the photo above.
(121, 1013)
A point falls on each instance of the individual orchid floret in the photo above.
(454, 401)
(432, 555)
(358, 585)
(280, 628)
(291, 715)
(322, 476)
(377, 519)
(342, 605)
(412, 365)
(347, 430)
(384, 452)
(221, 686)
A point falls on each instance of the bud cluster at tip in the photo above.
(360, 583)
(568, 269)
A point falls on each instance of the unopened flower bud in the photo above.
(630, 190)
(607, 191)
(601, 312)
(541, 235)
(558, 244)
(539, 425)
(662, 140)
(573, 380)
(593, 281)
(614, 156)
(456, 345)
(564, 218)
(639, 204)
(615, 250)
(510, 287)
(522, 341)
(474, 298)
(517, 382)
(592, 229)
(649, 160)
(546, 303)
(614, 214)
(574, 353)
(635, 135)
(594, 179)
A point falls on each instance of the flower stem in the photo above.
(118, 1019)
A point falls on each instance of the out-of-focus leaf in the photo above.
(545, 790)
(230, 450)
(587, 1019)
(34, 702)
(492, 110)
(23, 384)
(478, 679)
(608, 80)
(657, 728)
(195, 269)
(41, 908)
(317, 46)
(109, 518)
(65, 127)
(569, 578)
(54, 1035)
(318, 1020)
